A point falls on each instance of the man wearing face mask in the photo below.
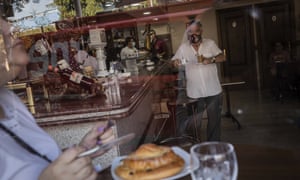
(199, 56)
(129, 51)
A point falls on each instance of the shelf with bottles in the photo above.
(119, 35)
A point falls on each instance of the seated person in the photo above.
(129, 51)
(26, 150)
(278, 55)
(85, 60)
(75, 66)
(277, 63)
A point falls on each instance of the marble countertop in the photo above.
(111, 104)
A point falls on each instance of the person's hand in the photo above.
(160, 56)
(176, 63)
(206, 61)
(97, 135)
(68, 166)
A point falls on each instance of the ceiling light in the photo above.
(147, 13)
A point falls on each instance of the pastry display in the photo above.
(150, 162)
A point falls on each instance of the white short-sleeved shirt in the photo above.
(201, 80)
(15, 161)
(127, 52)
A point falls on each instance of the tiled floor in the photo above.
(264, 120)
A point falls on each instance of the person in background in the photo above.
(75, 66)
(26, 150)
(277, 63)
(158, 48)
(202, 82)
(84, 60)
(278, 55)
(129, 51)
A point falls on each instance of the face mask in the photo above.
(195, 38)
(133, 44)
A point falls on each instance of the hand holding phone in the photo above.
(107, 146)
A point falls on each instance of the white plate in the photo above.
(149, 63)
(123, 76)
(180, 152)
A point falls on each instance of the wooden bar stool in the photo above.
(178, 110)
(161, 117)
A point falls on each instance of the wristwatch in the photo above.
(213, 59)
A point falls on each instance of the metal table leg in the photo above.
(228, 106)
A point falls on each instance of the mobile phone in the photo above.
(109, 125)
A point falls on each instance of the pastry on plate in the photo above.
(150, 162)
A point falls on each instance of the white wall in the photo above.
(208, 20)
(209, 23)
(177, 29)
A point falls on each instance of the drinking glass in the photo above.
(183, 61)
(213, 161)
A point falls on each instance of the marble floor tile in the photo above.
(264, 120)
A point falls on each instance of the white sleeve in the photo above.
(123, 54)
(215, 50)
(178, 54)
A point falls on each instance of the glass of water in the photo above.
(213, 161)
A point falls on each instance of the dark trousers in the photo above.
(189, 117)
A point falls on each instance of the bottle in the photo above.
(77, 78)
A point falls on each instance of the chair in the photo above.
(27, 86)
(161, 117)
(287, 80)
(29, 101)
(179, 107)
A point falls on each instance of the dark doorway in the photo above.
(273, 25)
(248, 32)
(236, 37)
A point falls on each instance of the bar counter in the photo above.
(67, 120)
